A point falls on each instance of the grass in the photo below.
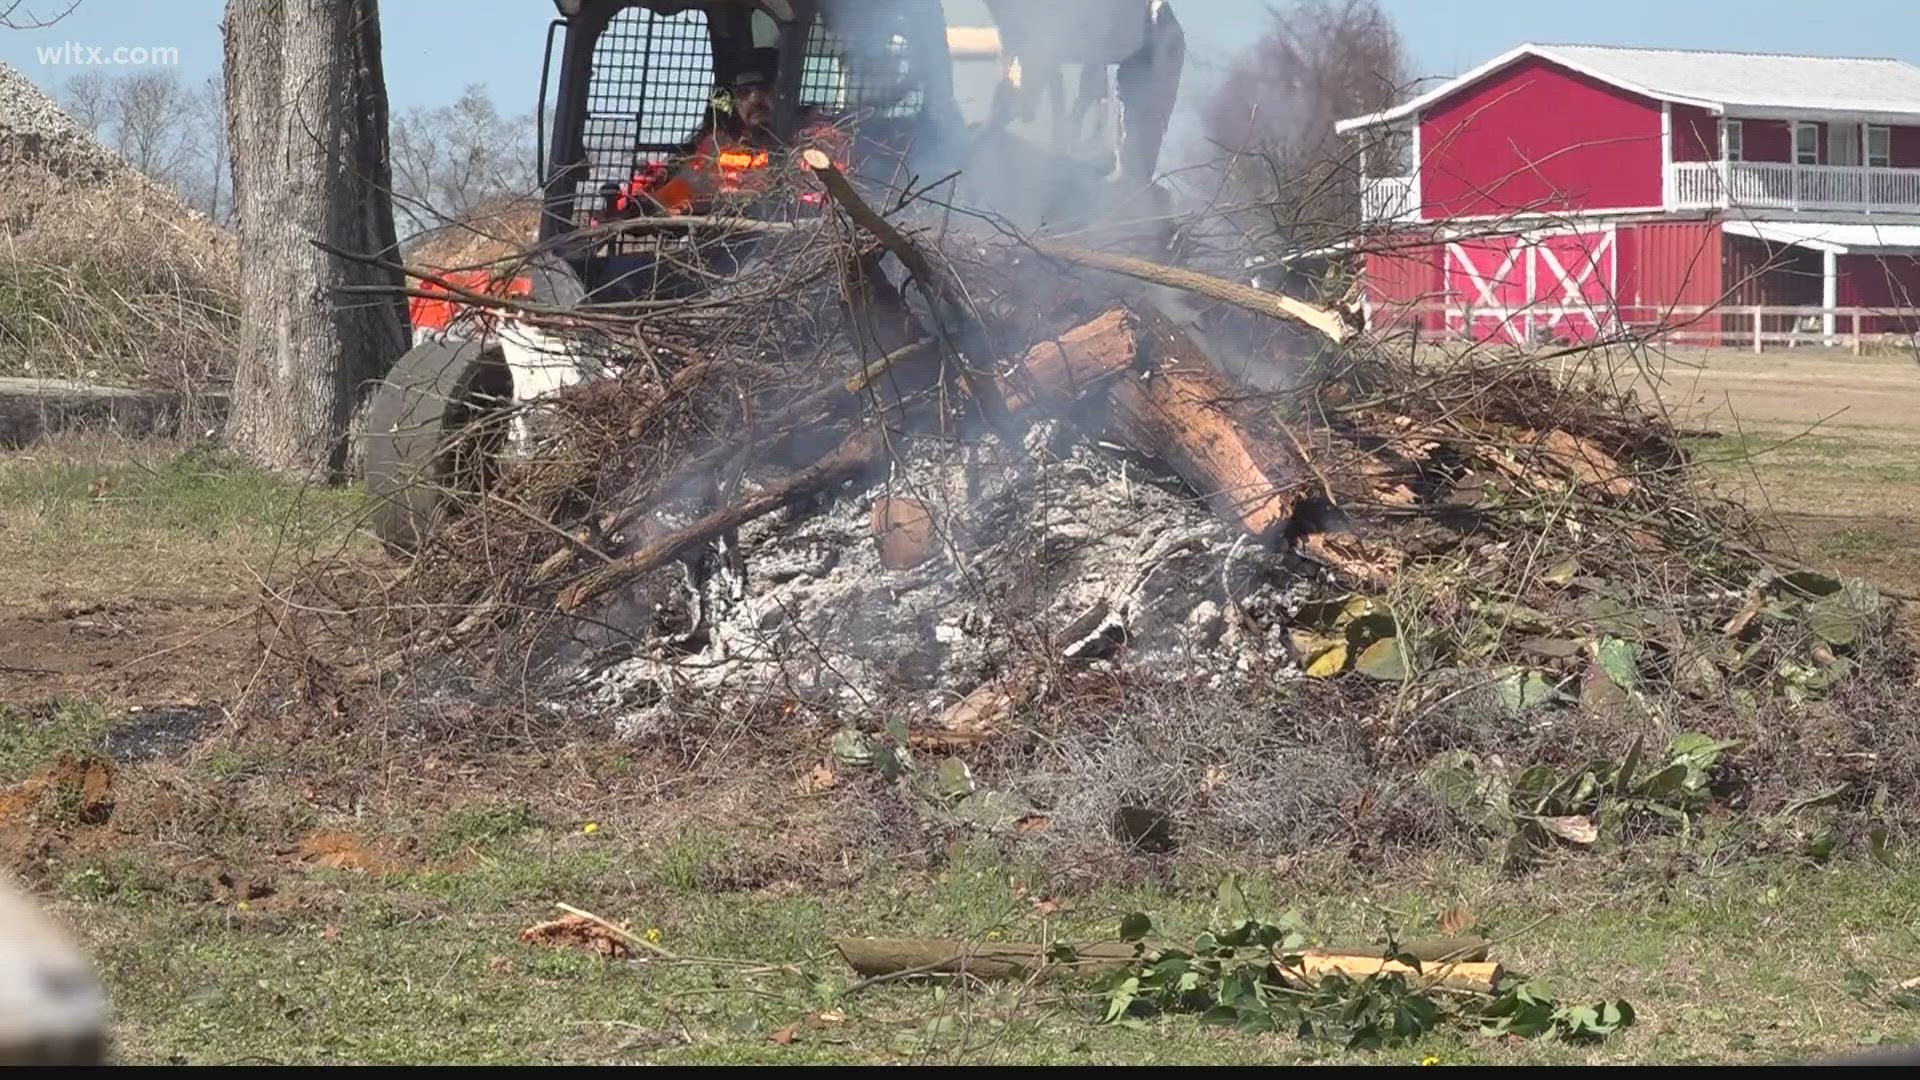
(32, 736)
(1750, 965)
(91, 518)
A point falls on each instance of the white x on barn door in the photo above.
(1521, 288)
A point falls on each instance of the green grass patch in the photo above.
(1769, 962)
(32, 736)
(93, 519)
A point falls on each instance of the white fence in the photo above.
(1725, 326)
(1708, 185)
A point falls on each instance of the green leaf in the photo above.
(1880, 844)
(992, 810)
(1383, 660)
(1135, 926)
(1375, 626)
(1858, 983)
(1666, 783)
(1533, 786)
(955, 779)
(852, 749)
(1523, 691)
(1121, 998)
(1822, 845)
(894, 761)
(897, 729)
(1231, 899)
(1834, 621)
(1842, 618)
(1621, 661)
(1623, 777)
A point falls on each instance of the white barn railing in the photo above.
(1388, 198)
(1719, 185)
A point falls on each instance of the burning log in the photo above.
(1055, 373)
(850, 459)
(1184, 413)
(1180, 411)
(903, 529)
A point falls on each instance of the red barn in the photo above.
(1565, 190)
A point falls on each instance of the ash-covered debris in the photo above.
(1065, 556)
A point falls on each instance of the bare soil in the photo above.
(182, 651)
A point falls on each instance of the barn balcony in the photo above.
(1388, 198)
(1767, 185)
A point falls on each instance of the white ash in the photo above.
(1063, 556)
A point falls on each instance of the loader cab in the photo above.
(640, 82)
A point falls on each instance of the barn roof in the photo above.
(1716, 81)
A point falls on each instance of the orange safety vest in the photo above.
(710, 171)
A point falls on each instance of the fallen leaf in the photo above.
(1747, 613)
(577, 932)
(499, 965)
(1589, 465)
(1456, 920)
(329, 933)
(785, 1036)
(336, 849)
(822, 778)
(1329, 663)
(1573, 828)
(1033, 823)
(831, 1016)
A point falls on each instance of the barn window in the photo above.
(1843, 144)
(1732, 141)
(1879, 146)
(1806, 144)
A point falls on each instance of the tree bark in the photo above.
(1187, 415)
(307, 121)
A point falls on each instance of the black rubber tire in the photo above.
(424, 450)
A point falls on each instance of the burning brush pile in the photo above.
(1018, 529)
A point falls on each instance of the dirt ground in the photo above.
(134, 570)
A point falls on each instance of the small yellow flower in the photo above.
(244, 906)
(1430, 1060)
(590, 828)
(653, 935)
(994, 935)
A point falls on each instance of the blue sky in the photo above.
(434, 47)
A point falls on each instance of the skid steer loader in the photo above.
(686, 107)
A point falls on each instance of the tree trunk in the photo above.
(307, 122)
